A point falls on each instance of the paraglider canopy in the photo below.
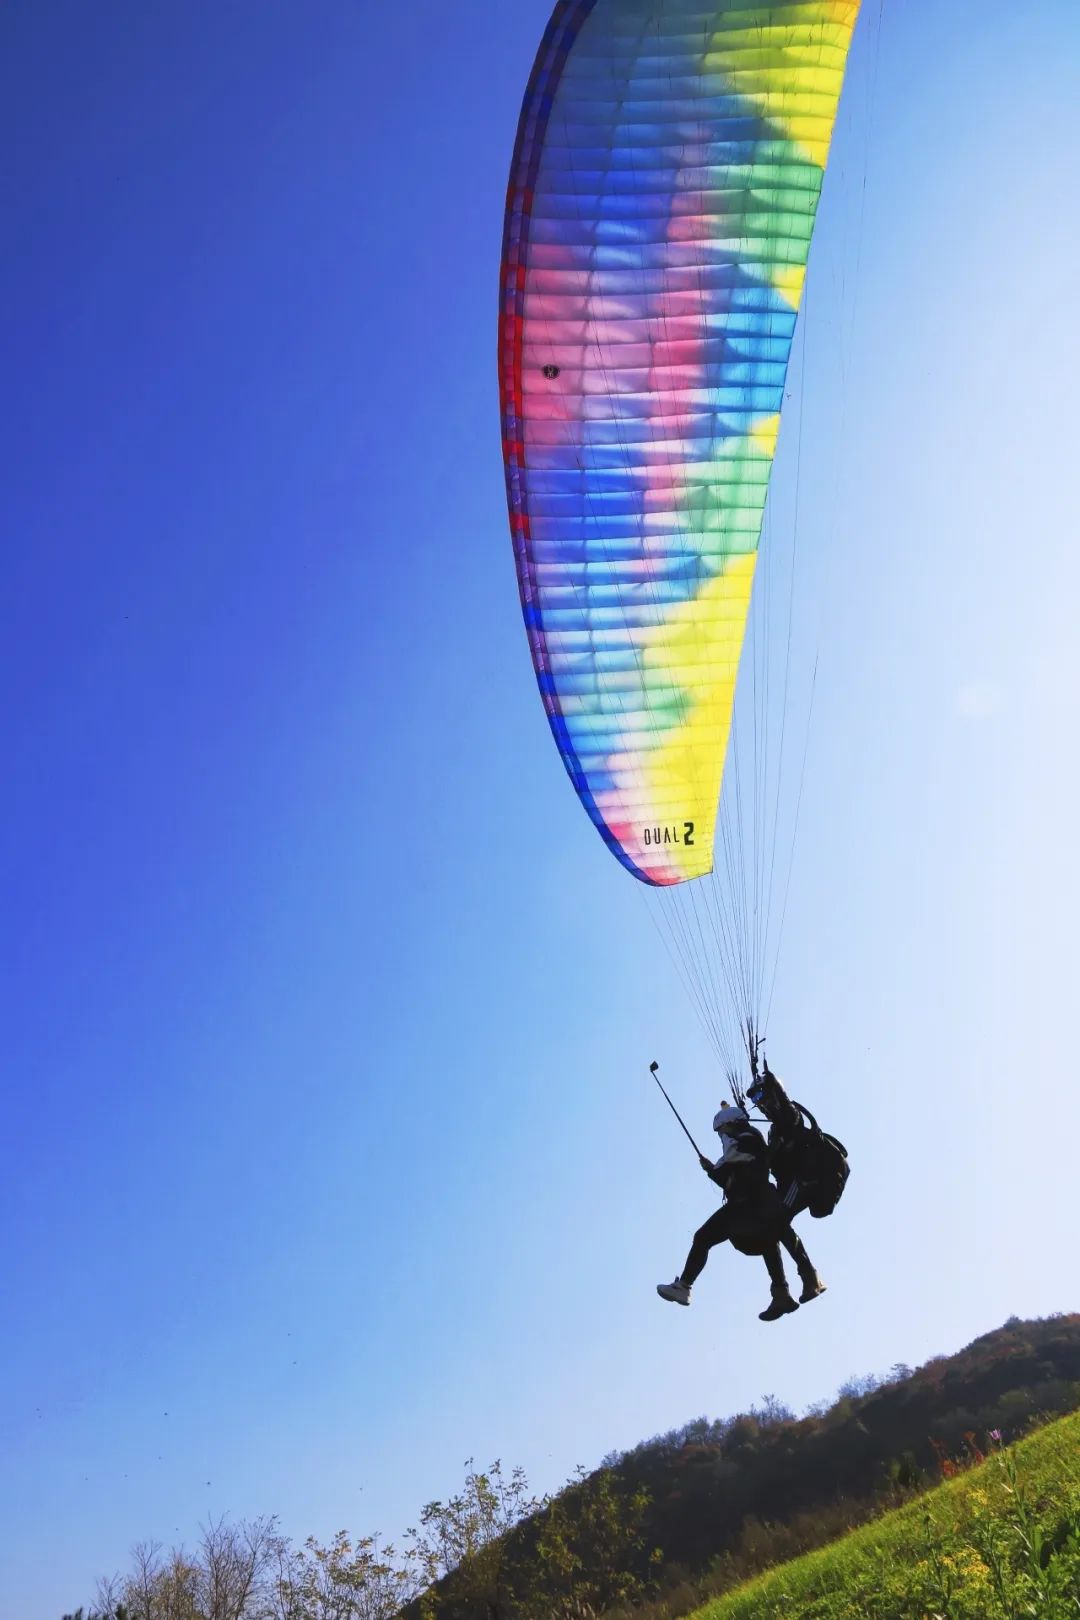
(662, 197)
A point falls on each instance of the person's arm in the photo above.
(787, 1117)
(716, 1173)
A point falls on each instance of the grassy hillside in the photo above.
(995, 1543)
(732, 1497)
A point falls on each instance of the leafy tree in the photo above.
(224, 1579)
(345, 1580)
(467, 1537)
(115, 1612)
(587, 1544)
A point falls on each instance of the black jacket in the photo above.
(786, 1133)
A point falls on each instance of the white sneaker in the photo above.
(676, 1291)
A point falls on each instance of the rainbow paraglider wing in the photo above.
(666, 176)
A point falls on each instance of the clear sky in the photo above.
(331, 1153)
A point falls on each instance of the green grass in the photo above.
(1000, 1541)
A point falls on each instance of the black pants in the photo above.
(748, 1233)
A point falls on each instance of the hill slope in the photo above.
(996, 1543)
(688, 1516)
(729, 1497)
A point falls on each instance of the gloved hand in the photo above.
(706, 1164)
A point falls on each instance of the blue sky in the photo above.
(332, 1155)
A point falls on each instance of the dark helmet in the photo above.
(760, 1092)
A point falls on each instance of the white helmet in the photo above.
(730, 1119)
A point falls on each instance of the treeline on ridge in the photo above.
(653, 1531)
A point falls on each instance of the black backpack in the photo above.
(823, 1166)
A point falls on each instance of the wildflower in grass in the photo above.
(972, 1568)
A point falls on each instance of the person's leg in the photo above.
(774, 1265)
(812, 1284)
(717, 1229)
(782, 1303)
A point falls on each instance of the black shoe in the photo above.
(782, 1305)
